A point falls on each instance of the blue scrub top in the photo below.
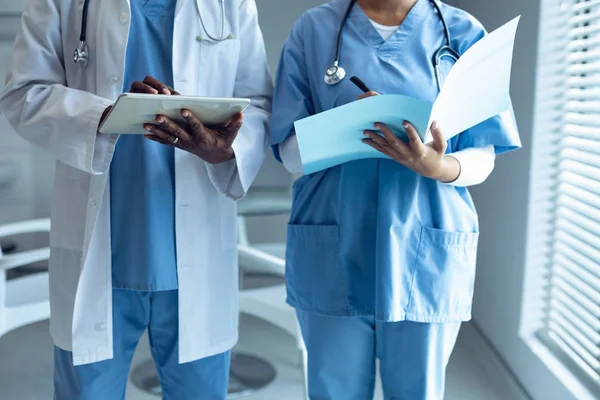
(371, 237)
(142, 173)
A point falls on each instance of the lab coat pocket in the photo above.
(314, 274)
(444, 276)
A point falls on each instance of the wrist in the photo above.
(219, 156)
(448, 171)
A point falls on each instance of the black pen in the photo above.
(360, 84)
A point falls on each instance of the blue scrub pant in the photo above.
(342, 352)
(133, 312)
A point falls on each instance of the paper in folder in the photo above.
(475, 90)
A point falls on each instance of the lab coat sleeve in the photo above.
(39, 105)
(293, 100)
(253, 81)
(500, 131)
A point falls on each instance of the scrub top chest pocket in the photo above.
(444, 276)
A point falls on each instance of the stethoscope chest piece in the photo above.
(81, 55)
(335, 74)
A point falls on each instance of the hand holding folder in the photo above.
(476, 89)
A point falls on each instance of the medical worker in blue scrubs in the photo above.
(381, 252)
(143, 228)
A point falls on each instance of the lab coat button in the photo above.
(114, 78)
(100, 327)
(124, 17)
(93, 203)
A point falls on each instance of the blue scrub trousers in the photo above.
(133, 312)
(342, 352)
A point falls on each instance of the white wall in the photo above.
(502, 204)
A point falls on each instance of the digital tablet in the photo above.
(132, 110)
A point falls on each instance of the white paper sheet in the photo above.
(477, 87)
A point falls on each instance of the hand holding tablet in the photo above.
(212, 145)
(133, 110)
(202, 126)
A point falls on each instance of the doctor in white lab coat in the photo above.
(57, 105)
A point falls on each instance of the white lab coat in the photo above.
(56, 105)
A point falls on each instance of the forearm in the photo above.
(62, 121)
(38, 102)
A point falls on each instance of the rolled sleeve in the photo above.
(101, 147)
(476, 165)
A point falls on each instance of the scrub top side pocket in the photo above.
(444, 277)
(315, 278)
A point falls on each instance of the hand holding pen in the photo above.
(361, 85)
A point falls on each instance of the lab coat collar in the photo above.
(411, 23)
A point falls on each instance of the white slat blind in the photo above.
(567, 206)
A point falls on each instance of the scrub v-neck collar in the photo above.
(411, 23)
(154, 10)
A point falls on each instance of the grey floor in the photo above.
(26, 365)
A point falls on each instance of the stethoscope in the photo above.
(335, 73)
(81, 53)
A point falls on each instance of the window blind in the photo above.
(567, 204)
